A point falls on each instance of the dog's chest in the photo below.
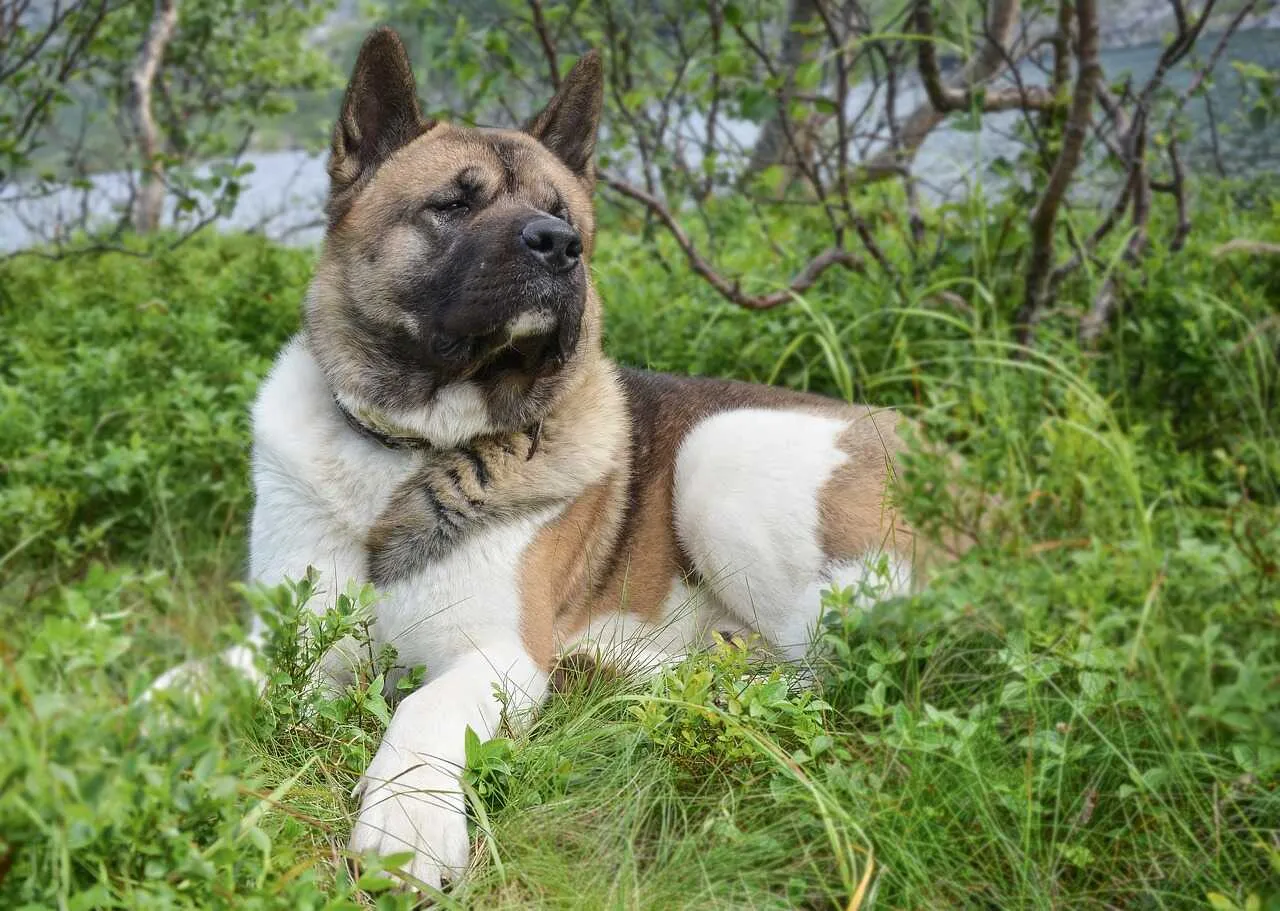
(321, 489)
(457, 602)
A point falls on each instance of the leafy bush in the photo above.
(125, 385)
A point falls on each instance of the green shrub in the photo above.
(124, 388)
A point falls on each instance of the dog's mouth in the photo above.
(505, 340)
(533, 356)
(529, 354)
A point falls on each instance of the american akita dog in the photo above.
(447, 427)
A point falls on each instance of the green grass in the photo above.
(1084, 712)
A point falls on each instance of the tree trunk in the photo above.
(149, 205)
(1074, 135)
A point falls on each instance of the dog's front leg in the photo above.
(410, 797)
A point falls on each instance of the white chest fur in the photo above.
(319, 490)
(318, 487)
(462, 602)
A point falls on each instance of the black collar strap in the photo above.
(384, 439)
(417, 444)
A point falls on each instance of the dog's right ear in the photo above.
(380, 114)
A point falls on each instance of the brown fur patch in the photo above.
(854, 511)
(556, 570)
(856, 505)
(662, 409)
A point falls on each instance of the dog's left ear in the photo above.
(568, 124)
(380, 115)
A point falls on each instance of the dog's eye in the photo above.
(454, 206)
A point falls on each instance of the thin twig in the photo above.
(729, 289)
(1179, 191)
(544, 39)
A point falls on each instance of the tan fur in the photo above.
(373, 247)
(854, 514)
(442, 152)
(856, 503)
(556, 572)
(640, 583)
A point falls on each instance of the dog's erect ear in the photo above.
(380, 112)
(568, 124)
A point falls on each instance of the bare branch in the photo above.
(959, 93)
(544, 39)
(1179, 191)
(1214, 141)
(966, 96)
(1061, 41)
(717, 25)
(914, 219)
(1075, 131)
(1212, 62)
(1104, 302)
(1086, 248)
(769, 147)
(731, 289)
(1244, 245)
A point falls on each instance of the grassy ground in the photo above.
(1083, 712)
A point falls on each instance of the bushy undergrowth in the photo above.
(1082, 712)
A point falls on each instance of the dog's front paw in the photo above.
(408, 804)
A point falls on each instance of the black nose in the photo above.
(553, 242)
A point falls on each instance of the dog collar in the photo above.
(416, 444)
(388, 440)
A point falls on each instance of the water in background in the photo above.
(284, 193)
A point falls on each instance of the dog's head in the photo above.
(453, 296)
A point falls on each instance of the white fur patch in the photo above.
(530, 323)
(746, 510)
(318, 487)
(469, 596)
(746, 505)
